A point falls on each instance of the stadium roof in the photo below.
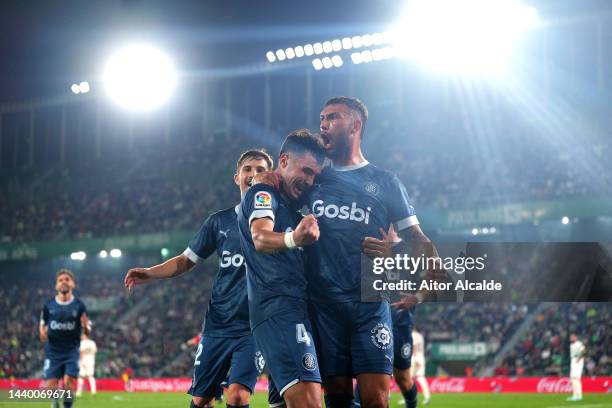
(46, 46)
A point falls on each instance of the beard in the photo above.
(340, 148)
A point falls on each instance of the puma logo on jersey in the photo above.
(224, 233)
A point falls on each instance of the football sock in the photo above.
(338, 400)
(411, 397)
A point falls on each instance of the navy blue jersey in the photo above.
(402, 317)
(351, 203)
(228, 310)
(63, 321)
(271, 278)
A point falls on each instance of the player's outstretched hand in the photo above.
(267, 177)
(136, 276)
(307, 231)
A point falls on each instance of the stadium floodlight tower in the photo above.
(139, 77)
(473, 37)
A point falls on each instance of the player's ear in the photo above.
(236, 179)
(283, 160)
(357, 125)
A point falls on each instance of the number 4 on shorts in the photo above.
(301, 335)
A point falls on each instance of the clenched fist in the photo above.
(307, 231)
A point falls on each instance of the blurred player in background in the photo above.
(577, 353)
(62, 321)
(417, 370)
(87, 364)
(272, 234)
(226, 344)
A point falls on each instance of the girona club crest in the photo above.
(260, 363)
(381, 336)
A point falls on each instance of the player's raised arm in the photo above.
(268, 241)
(171, 268)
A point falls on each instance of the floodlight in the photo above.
(139, 77)
(470, 36)
(84, 87)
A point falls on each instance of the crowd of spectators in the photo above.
(469, 322)
(544, 349)
(174, 187)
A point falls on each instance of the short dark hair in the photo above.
(353, 104)
(255, 154)
(304, 141)
(65, 271)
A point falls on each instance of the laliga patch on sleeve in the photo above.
(263, 199)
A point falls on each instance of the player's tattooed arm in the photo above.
(266, 240)
(421, 244)
(384, 248)
(171, 268)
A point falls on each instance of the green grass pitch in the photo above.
(165, 400)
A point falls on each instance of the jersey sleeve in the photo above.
(204, 243)
(400, 209)
(261, 201)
